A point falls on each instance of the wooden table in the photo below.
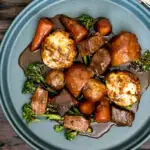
(8, 138)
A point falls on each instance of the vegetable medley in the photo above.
(87, 78)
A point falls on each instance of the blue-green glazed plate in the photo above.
(124, 15)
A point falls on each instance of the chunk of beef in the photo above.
(77, 123)
(91, 45)
(122, 117)
(100, 61)
(39, 101)
(64, 101)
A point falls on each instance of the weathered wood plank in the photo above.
(14, 2)
(8, 138)
(10, 12)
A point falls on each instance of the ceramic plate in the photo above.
(124, 15)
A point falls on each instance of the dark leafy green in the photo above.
(27, 114)
(71, 134)
(29, 87)
(86, 60)
(58, 128)
(30, 117)
(87, 21)
(35, 78)
(143, 64)
(74, 111)
(34, 72)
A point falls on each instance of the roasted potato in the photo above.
(58, 50)
(94, 90)
(103, 112)
(55, 79)
(125, 48)
(44, 27)
(39, 101)
(86, 107)
(123, 88)
(76, 77)
(78, 31)
(103, 26)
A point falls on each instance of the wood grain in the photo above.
(8, 138)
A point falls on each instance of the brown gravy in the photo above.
(27, 57)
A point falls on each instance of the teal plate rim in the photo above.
(141, 13)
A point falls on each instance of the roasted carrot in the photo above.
(102, 113)
(78, 31)
(44, 27)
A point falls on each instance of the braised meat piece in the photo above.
(76, 77)
(39, 101)
(77, 123)
(64, 101)
(100, 61)
(122, 117)
(91, 44)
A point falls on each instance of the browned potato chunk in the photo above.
(55, 79)
(76, 77)
(39, 101)
(125, 48)
(103, 112)
(123, 88)
(94, 90)
(86, 107)
(103, 26)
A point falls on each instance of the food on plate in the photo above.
(87, 107)
(55, 79)
(76, 77)
(44, 27)
(77, 123)
(39, 101)
(91, 44)
(94, 90)
(103, 112)
(82, 78)
(103, 26)
(125, 48)
(35, 78)
(122, 117)
(100, 61)
(143, 63)
(78, 31)
(58, 50)
(86, 20)
(123, 88)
